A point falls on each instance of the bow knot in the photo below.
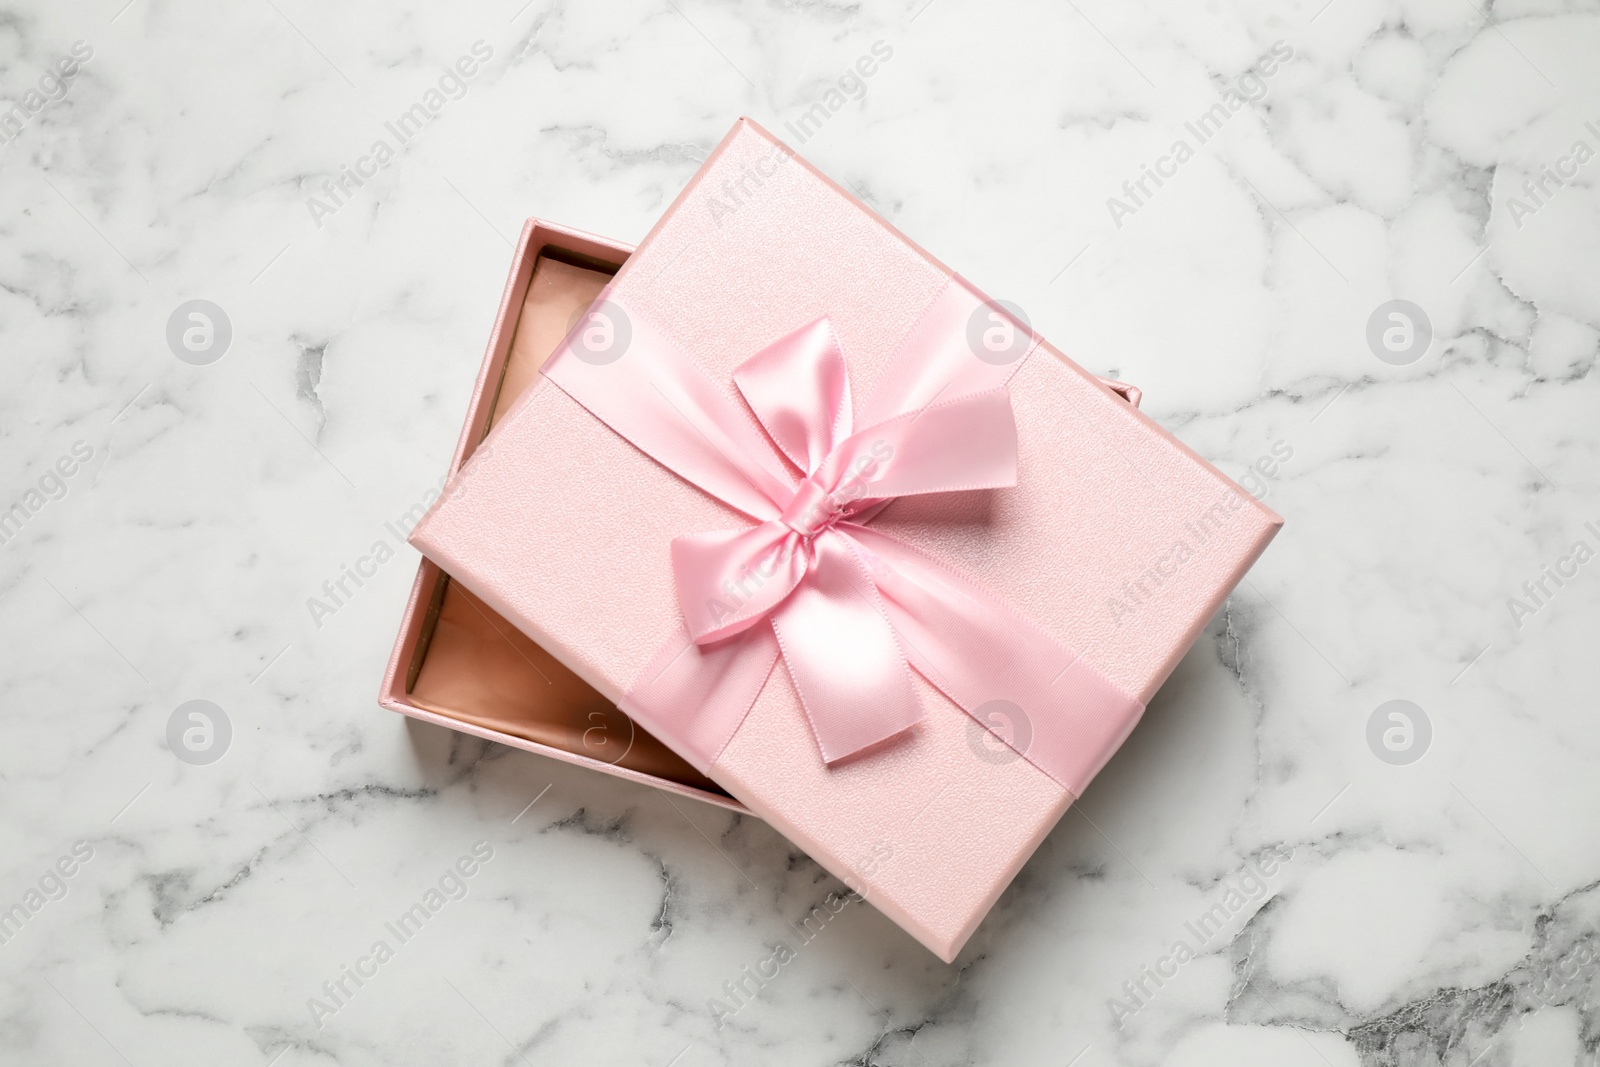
(813, 510)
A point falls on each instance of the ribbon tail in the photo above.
(695, 697)
(847, 665)
(999, 666)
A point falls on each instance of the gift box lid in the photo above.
(1117, 539)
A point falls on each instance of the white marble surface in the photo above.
(1441, 912)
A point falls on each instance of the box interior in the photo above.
(470, 663)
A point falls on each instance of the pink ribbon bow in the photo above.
(806, 568)
(849, 609)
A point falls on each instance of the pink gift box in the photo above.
(1117, 540)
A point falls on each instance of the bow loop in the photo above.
(799, 389)
(728, 580)
(957, 445)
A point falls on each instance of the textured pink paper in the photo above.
(1117, 538)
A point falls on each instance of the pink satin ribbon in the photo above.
(849, 609)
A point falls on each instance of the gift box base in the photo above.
(456, 663)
